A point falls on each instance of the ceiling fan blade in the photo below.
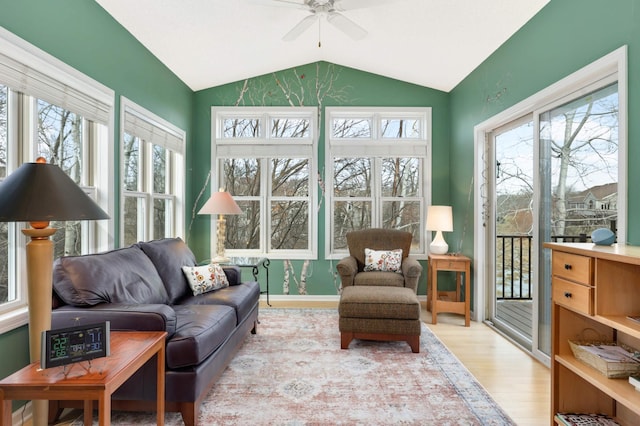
(359, 4)
(300, 27)
(346, 25)
(293, 4)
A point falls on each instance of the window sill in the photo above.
(13, 319)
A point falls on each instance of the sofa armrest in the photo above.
(347, 268)
(152, 317)
(233, 273)
(411, 269)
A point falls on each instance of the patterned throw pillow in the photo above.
(205, 278)
(383, 260)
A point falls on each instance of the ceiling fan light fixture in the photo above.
(328, 10)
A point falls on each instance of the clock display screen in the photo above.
(68, 345)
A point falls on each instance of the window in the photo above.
(50, 110)
(265, 158)
(152, 176)
(377, 172)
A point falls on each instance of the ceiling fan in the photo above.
(330, 10)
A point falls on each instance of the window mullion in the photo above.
(265, 203)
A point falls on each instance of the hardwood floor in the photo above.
(516, 381)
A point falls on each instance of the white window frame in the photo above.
(263, 148)
(36, 74)
(377, 147)
(151, 130)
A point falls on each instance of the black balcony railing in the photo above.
(513, 264)
(513, 267)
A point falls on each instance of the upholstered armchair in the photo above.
(378, 298)
(351, 268)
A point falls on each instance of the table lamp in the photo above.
(220, 203)
(439, 219)
(39, 193)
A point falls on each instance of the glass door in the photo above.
(513, 222)
(554, 178)
(579, 172)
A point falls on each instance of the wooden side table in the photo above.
(449, 301)
(130, 350)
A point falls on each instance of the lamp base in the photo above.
(220, 259)
(438, 245)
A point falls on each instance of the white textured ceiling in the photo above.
(432, 43)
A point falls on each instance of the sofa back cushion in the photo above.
(118, 276)
(169, 255)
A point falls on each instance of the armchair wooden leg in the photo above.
(345, 339)
(414, 342)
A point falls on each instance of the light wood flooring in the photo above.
(516, 381)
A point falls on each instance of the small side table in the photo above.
(449, 301)
(130, 350)
(254, 263)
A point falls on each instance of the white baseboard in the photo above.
(312, 298)
(22, 415)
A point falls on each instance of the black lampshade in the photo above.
(40, 192)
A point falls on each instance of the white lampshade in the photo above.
(221, 202)
(439, 219)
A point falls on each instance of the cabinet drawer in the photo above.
(449, 265)
(575, 296)
(573, 267)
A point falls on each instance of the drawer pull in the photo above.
(567, 294)
(567, 266)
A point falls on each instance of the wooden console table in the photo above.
(449, 301)
(89, 382)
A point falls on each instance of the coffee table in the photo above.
(89, 381)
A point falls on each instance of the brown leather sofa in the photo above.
(143, 287)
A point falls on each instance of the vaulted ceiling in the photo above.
(432, 43)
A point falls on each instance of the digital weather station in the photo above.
(74, 344)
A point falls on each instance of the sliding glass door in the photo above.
(553, 177)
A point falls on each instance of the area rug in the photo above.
(293, 372)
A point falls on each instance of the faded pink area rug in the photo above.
(293, 372)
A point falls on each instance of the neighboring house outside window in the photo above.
(153, 184)
(48, 109)
(377, 172)
(266, 158)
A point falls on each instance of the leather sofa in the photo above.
(143, 287)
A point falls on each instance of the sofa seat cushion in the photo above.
(379, 302)
(117, 276)
(379, 278)
(242, 297)
(200, 330)
(169, 255)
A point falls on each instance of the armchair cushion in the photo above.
(379, 278)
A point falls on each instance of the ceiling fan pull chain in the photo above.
(319, 33)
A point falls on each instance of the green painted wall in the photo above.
(83, 35)
(563, 37)
(349, 87)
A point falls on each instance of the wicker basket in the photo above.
(610, 369)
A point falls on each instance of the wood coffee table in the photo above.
(89, 382)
